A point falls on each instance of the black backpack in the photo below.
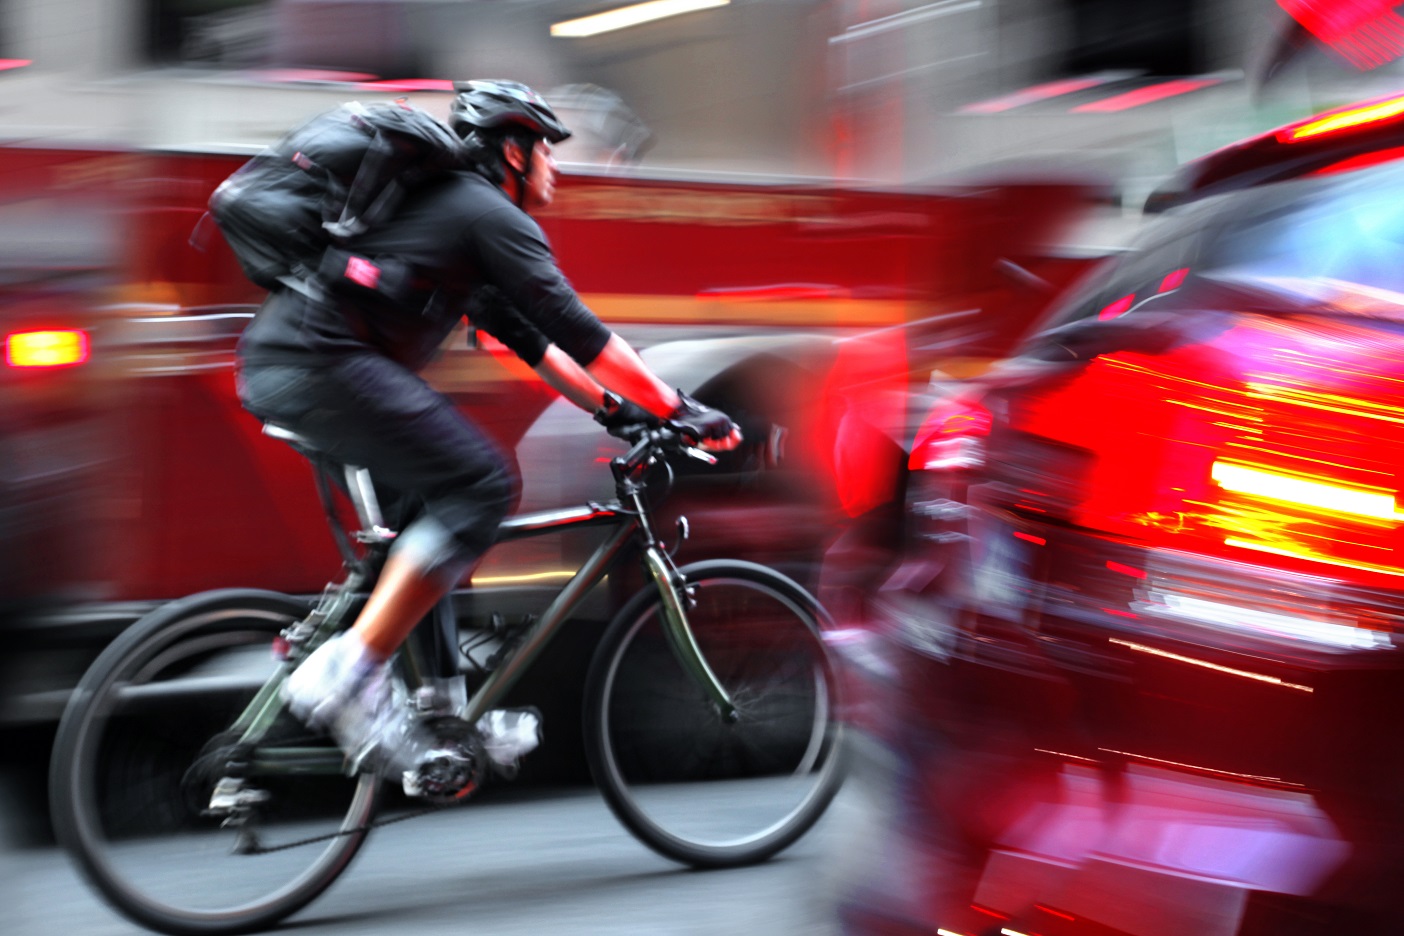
(334, 177)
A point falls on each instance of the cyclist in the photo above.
(340, 367)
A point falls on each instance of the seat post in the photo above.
(359, 488)
(362, 491)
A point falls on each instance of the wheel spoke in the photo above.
(139, 753)
(686, 782)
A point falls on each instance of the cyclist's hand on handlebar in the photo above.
(622, 418)
(710, 428)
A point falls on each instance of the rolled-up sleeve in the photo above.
(513, 256)
(489, 311)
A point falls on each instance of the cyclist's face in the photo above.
(541, 181)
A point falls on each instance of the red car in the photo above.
(1140, 657)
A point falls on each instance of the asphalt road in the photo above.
(525, 862)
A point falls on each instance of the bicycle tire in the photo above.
(127, 781)
(683, 781)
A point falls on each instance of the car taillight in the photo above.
(953, 438)
(47, 348)
(1276, 445)
(1304, 492)
(1317, 518)
(1343, 120)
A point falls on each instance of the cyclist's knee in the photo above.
(505, 490)
(434, 550)
(466, 515)
(492, 501)
(493, 491)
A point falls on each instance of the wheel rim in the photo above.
(134, 803)
(761, 780)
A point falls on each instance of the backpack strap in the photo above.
(307, 287)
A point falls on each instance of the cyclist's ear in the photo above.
(514, 155)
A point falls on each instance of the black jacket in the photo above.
(448, 240)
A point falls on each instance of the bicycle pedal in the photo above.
(450, 768)
(508, 735)
(231, 796)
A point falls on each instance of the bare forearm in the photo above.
(570, 379)
(620, 369)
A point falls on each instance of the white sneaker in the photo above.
(342, 690)
(508, 734)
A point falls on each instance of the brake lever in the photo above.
(700, 455)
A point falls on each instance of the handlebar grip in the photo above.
(648, 442)
(701, 455)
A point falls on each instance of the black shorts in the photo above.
(423, 454)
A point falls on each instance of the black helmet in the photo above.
(504, 106)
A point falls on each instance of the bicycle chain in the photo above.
(326, 837)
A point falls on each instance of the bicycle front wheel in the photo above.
(688, 782)
(141, 746)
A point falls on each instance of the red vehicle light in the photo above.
(53, 348)
(1366, 33)
(1119, 307)
(1275, 445)
(1147, 95)
(1174, 279)
(1344, 119)
(951, 438)
(1362, 161)
(407, 84)
(1300, 491)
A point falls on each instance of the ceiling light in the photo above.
(627, 16)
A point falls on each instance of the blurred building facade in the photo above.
(831, 88)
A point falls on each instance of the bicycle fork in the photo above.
(676, 598)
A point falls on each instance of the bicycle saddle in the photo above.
(275, 431)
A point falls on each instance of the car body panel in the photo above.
(1139, 648)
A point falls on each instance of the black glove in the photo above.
(701, 423)
(618, 416)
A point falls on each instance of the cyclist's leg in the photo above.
(413, 440)
(368, 411)
(286, 394)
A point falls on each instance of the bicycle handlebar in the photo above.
(650, 442)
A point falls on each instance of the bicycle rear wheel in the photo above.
(141, 745)
(688, 783)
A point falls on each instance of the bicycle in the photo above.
(175, 749)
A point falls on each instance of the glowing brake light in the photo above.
(1146, 95)
(1119, 307)
(1344, 119)
(1362, 161)
(1366, 33)
(1318, 494)
(1174, 279)
(952, 438)
(59, 348)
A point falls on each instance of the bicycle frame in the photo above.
(629, 523)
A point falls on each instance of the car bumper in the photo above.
(1103, 738)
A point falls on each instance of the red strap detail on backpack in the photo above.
(362, 272)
